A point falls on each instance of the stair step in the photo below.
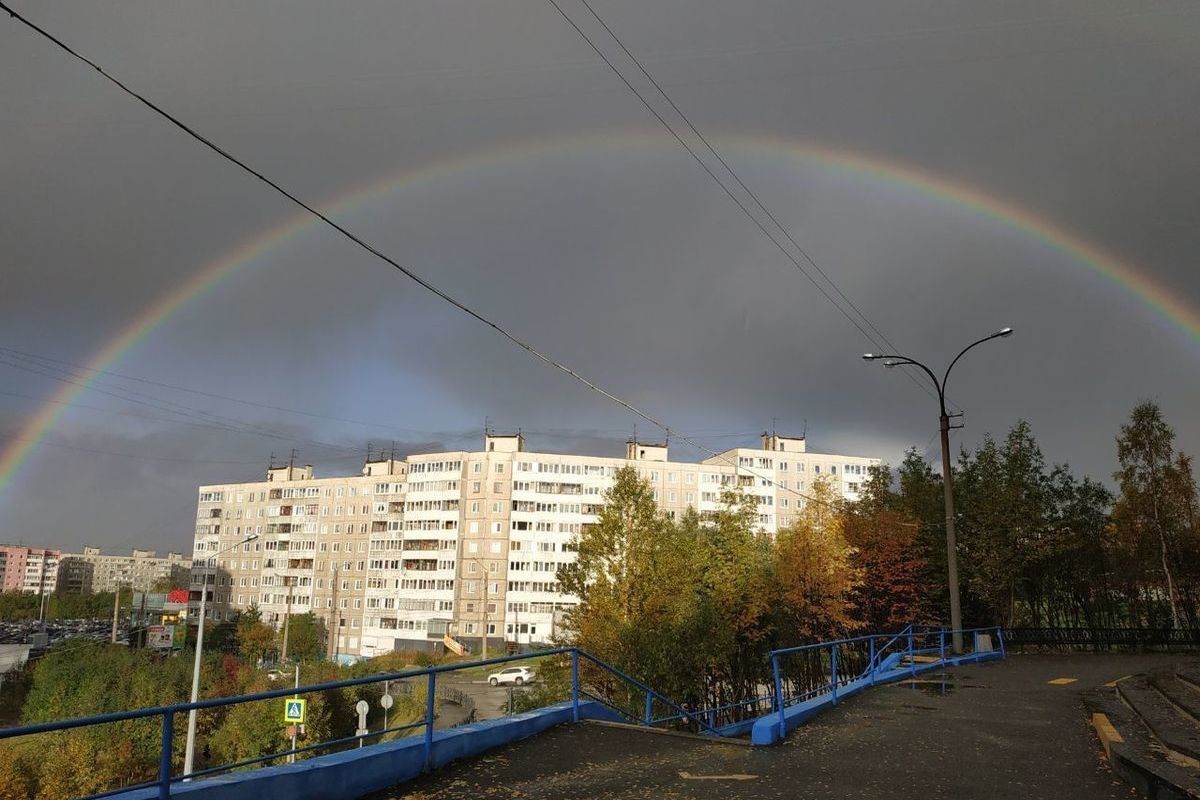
(1189, 674)
(1184, 697)
(1176, 732)
(921, 659)
(1137, 757)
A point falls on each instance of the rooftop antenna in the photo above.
(291, 463)
(369, 452)
(804, 430)
(487, 426)
(773, 421)
(271, 462)
(392, 452)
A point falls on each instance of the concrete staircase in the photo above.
(1150, 728)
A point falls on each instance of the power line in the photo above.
(202, 393)
(372, 250)
(732, 195)
(216, 421)
(140, 457)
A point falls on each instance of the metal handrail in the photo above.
(168, 713)
(273, 694)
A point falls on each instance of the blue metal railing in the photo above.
(912, 643)
(168, 714)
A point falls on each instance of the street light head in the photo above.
(1004, 332)
(869, 356)
(251, 537)
(890, 364)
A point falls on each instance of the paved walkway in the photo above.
(998, 730)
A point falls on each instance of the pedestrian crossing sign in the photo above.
(293, 710)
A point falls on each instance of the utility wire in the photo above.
(878, 342)
(372, 250)
(216, 421)
(213, 395)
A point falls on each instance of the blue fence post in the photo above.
(649, 701)
(575, 685)
(942, 645)
(833, 671)
(871, 662)
(1000, 638)
(779, 695)
(430, 689)
(164, 756)
(912, 664)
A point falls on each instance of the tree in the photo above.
(813, 567)
(890, 593)
(1149, 513)
(306, 637)
(254, 638)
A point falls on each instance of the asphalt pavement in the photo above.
(998, 730)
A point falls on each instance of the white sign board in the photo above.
(160, 637)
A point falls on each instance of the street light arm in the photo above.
(894, 360)
(963, 352)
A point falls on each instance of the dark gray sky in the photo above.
(605, 245)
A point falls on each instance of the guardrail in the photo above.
(825, 670)
(594, 669)
(1084, 638)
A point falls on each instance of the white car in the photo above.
(518, 676)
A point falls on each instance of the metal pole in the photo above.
(778, 695)
(116, 611)
(292, 755)
(833, 671)
(575, 686)
(190, 751)
(649, 701)
(951, 543)
(872, 661)
(485, 610)
(164, 755)
(430, 688)
(287, 618)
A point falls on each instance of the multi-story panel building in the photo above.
(32, 570)
(94, 571)
(461, 543)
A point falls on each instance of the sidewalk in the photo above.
(995, 730)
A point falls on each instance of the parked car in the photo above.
(517, 676)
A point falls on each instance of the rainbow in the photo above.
(1154, 294)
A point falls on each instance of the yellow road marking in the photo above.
(1107, 733)
(737, 776)
(1062, 681)
(1113, 684)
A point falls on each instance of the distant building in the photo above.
(31, 570)
(94, 571)
(461, 543)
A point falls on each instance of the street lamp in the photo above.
(947, 476)
(190, 752)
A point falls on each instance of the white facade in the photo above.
(461, 542)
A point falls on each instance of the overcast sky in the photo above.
(564, 211)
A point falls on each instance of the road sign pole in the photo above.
(295, 729)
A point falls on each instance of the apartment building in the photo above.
(460, 543)
(94, 571)
(32, 570)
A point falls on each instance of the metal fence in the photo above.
(590, 678)
(824, 669)
(1101, 639)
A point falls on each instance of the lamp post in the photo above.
(947, 475)
(190, 752)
